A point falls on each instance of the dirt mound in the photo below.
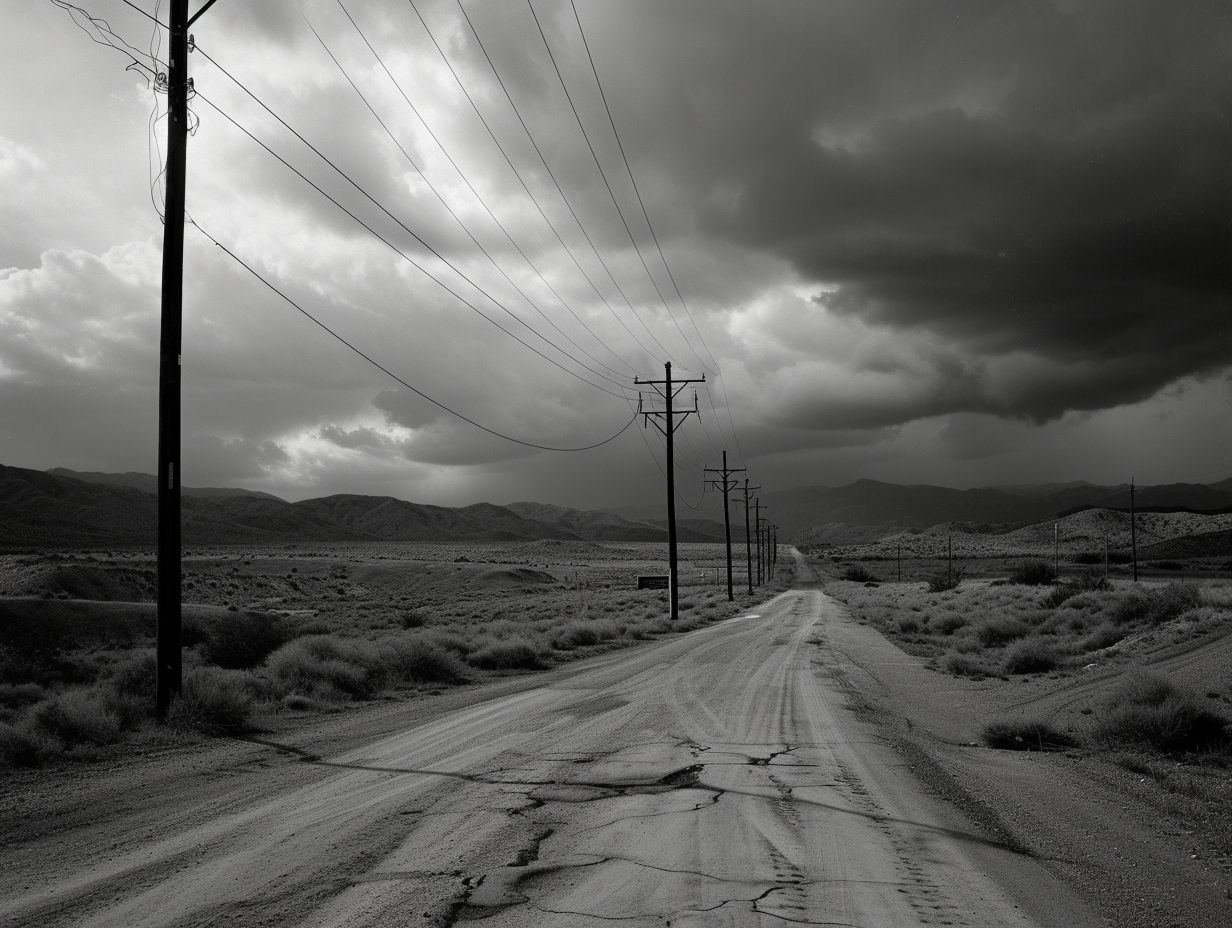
(512, 576)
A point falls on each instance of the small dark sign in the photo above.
(652, 582)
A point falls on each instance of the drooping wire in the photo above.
(628, 170)
(568, 204)
(458, 219)
(653, 235)
(484, 204)
(387, 371)
(101, 33)
(398, 251)
(619, 212)
(396, 220)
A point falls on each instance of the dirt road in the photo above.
(718, 778)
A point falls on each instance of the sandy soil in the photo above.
(783, 767)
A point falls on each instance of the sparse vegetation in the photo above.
(311, 630)
(1147, 709)
(1026, 735)
(1033, 573)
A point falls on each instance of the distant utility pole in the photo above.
(1133, 530)
(748, 544)
(169, 668)
(671, 389)
(726, 484)
(757, 528)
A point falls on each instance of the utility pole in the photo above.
(748, 545)
(726, 484)
(169, 661)
(757, 529)
(1133, 530)
(169, 667)
(668, 428)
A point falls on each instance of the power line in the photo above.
(479, 198)
(462, 225)
(606, 184)
(407, 257)
(650, 226)
(386, 241)
(387, 371)
(518, 175)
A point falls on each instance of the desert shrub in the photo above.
(907, 625)
(947, 623)
(510, 654)
(451, 642)
(962, 665)
(1089, 557)
(943, 580)
(1156, 606)
(78, 716)
(1104, 636)
(1057, 595)
(135, 675)
(995, 632)
(420, 660)
(15, 696)
(329, 667)
(243, 639)
(858, 574)
(213, 701)
(1148, 709)
(23, 745)
(1031, 656)
(1033, 573)
(1025, 735)
(413, 619)
(580, 634)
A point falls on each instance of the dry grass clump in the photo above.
(1154, 607)
(508, 654)
(964, 665)
(1149, 710)
(1033, 573)
(213, 701)
(1032, 655)
(580, 634)
(333, 668)
(1026, 734)
(945, 580)
(236, 640)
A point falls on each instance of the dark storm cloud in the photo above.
(1010, 177)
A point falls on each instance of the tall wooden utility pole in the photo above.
(748, 544)
(757, 528)
(671, 388)
(726, 484)
(169, 666)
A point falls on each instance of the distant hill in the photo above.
(590, 524)
(834, 514)
(41, 509)
(149, 483)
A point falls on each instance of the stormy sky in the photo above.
(965, 243)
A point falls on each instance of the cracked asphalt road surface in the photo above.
(718, 778)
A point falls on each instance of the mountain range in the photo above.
(67, 508)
